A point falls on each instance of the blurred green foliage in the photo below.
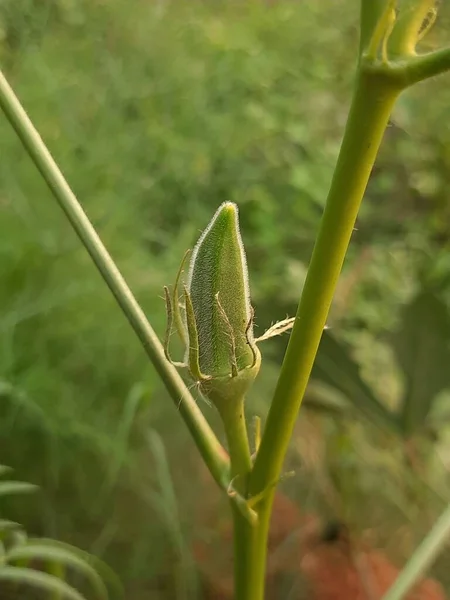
(156, 114)
(421, 346)
(44, 565)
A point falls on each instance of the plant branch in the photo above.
(372, 103)
(405, 72)
(205, 439)
(423, 558)
(424, 66)
(370, 14)
(404, 37)
(233, 419)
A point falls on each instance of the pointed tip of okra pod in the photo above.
(228, 207)
(225, 218)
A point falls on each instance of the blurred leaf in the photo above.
(100, 567)
(322, 399)
(421, 345)
(16, 487)
(42, 581)
(335, 367)
(165, 502)
(52, 554)
(6, 525)
(9, 531)
(17, 552)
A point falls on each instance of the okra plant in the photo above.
(211, 309)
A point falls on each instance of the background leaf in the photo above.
(54, 555)
(42, 581)
(421, 345)
(335, 367)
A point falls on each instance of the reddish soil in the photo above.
(318, 561)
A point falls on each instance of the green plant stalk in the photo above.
(247, 569)
(422, 558)
(371, 13)
(403, 40)
(249, 560)
(372, 103)
(373, 99)
(205, 439)
(234, 422)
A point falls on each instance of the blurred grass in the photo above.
(156, 115)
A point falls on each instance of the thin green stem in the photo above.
(372, 103)
(233, 419)
(205, 439)
(423, 558)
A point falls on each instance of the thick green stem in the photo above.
(250, 541)
(205, 439)
(249, 537)
(249, 565)
(372, 103)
